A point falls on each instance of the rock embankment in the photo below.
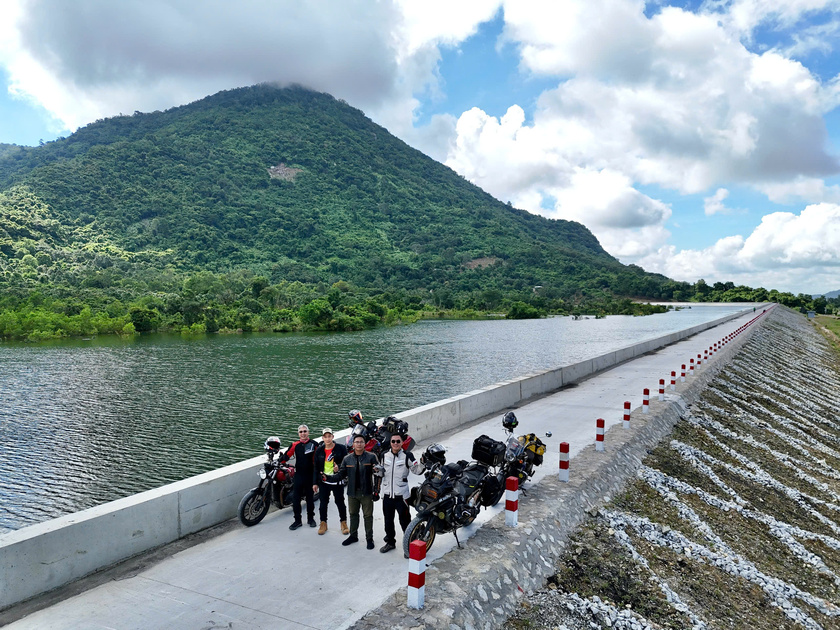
(733, 520)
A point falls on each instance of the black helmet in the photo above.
(510, 422)
(435, 454)
(359, 429)
(355, 417)
(272, 445)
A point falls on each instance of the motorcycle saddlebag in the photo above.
(488, 451)
(534, 447)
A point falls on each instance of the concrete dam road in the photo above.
(269, 577)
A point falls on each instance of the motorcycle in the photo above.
(522, 454)
(450, 497)
(276, 481)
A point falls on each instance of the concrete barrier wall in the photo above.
(45, 556)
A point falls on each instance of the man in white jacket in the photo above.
(397, 463)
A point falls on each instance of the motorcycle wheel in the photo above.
(419, 529)
(252, 508)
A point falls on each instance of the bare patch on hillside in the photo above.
(477, 263)
(286, 173)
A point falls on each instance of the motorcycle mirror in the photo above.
(548, 434)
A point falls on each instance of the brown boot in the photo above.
(323, 528)
(344, 529)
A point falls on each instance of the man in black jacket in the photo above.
(328, 459)
(358, 469)
(304, 453)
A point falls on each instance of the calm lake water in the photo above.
(83, 422)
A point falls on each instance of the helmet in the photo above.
(272, 445)
(510, 422)
(355, 417)
(435, 454)
(359, 429)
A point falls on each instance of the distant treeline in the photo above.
(241, 301)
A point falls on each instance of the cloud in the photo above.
(745, 16)
(714, 204)
(94, 58)
(786, 251)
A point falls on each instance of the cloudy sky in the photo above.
(695, 139)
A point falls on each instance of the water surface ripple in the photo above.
(83, 422)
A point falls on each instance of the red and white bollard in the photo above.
(564, 461)
(705, 355)
(661, 389)
(416, 574)
(699, 360)
(691, 367)
(512, 501)
(645, 400)
(682, 373)
(599, 434)
(673, 380)
(626, 423)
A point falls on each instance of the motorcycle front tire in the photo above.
(421, 528)
(253, 507)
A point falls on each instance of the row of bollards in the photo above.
(417, 549)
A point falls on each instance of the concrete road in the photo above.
(269, 577)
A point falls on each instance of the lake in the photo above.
(83, 422)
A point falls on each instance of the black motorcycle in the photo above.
(276, 481)
(451, 494)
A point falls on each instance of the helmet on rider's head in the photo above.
(355, 417)
(510, 422)
(272, 444)
(435, 454)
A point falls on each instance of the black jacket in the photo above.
(338, 455)
(304, 455)
(358, 471)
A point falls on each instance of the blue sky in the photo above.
(695, 139)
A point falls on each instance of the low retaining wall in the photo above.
(481, 585)
(43, 557)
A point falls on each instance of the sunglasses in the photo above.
(303, 431)
(396, 441)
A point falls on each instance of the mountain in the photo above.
(290, 185)
(829, 296)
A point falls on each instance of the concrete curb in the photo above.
(481, 585)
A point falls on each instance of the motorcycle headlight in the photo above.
(263, 474)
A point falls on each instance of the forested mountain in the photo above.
(255, 190)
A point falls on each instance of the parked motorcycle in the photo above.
(450, 496)
(522, 453)
(393, 426)
(276, 480)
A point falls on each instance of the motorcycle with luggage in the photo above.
(275, 486)
(522, 453)
(452, 493)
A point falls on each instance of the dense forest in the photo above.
(281, 209)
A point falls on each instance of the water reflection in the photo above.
(85, 422)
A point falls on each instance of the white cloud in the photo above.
(714, 204)
(808, 189)
(744, 16)
(786, 251)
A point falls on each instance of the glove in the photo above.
(376, 496)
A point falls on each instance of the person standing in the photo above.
(304, 453)
(328, 458)
(397, 464)
(358, 469)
